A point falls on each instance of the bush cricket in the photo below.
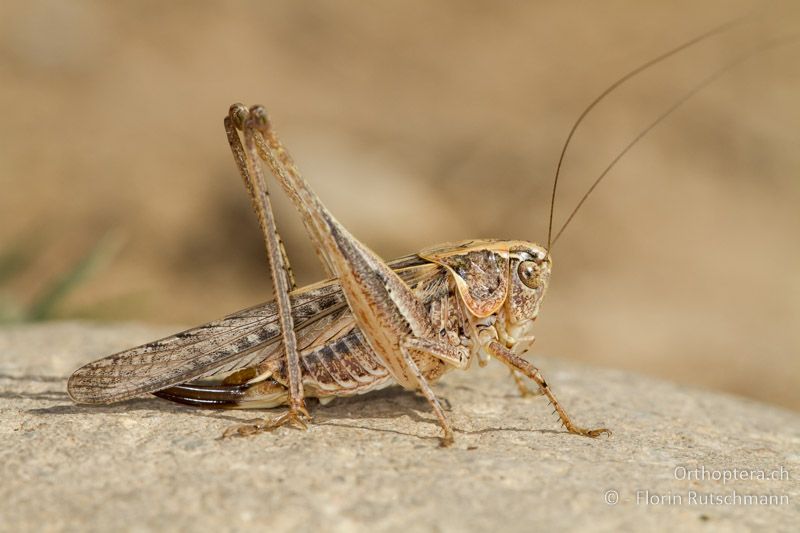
(370, 325)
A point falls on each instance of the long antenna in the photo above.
(774, 43)
(608, 90)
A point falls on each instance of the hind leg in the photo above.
(246, 157)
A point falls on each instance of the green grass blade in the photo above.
(43, 308)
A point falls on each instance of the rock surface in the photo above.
(372, 462)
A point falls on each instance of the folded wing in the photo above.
(239, 340)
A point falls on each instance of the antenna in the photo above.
(644, 66)
(769, 45)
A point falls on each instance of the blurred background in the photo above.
(416, 122)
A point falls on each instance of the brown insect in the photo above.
(372, 324)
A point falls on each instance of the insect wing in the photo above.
(197, 351)
(242, 339)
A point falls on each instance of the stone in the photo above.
(680, 458)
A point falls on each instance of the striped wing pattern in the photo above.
(239, 340)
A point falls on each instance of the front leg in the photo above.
(515, 362)
(519, 377)
(523, 388)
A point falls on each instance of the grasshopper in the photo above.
(370, 325)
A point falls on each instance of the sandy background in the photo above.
(421, 122)
(371, 463)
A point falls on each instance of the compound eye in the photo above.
(528, 272)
